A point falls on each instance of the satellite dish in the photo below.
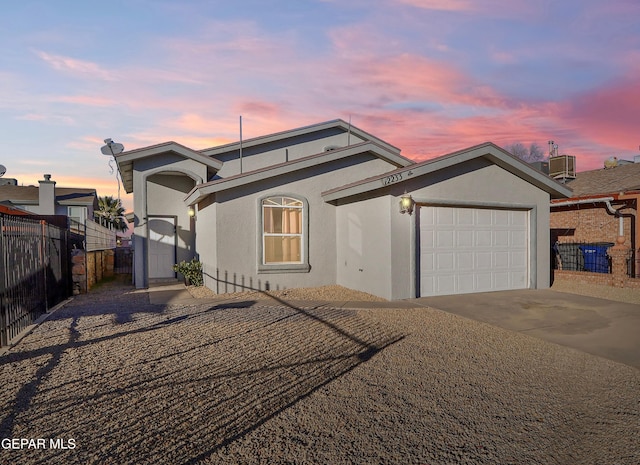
(2, 170)
(112, 148)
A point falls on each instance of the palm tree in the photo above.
(110, 213)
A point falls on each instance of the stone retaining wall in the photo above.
(88, 268)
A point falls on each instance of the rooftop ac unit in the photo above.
(563, 166)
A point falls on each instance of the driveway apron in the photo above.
(597, 326)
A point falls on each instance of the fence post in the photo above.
(619, 254)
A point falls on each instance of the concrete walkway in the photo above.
(599, 327)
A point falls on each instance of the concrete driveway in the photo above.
(600, 327)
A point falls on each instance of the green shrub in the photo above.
(191, 270)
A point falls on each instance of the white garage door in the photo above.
(465, 250)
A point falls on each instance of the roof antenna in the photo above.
(240, 144)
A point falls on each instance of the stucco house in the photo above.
(332, 204)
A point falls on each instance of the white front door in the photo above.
(162, 247)
(464, 250)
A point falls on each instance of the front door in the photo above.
(162, 247)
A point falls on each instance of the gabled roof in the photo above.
(201, 191)
(622, 178)
(126, 159)
(278, 136)
(487, 150)
(29, 195)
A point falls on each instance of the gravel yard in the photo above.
(249, 379)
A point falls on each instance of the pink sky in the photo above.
(428, 76)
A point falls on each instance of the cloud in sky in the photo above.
(429, 76)
(79, 68)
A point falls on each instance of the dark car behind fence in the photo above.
(34, 275)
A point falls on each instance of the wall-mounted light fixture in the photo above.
(192, 211)
(406, 204)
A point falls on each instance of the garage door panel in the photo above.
(428, 238)
(483, 239)
(483, 281)
(518, 238)
(446, 283)
(444, 239)
(445, 216)
(502, 217)
(427, 262)
(474, 250)
(445, 262)
(464, 216)
(501, 237)
(483, 217)
(501, 259)
(518, 260)
(466, 283)
(465, 261)
(464, 239)
(501, 281)
(483, 260)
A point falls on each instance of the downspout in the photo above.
(607, 202)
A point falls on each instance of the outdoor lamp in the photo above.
(406, 204)
(192, 212)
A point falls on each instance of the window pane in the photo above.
(279, 220)
(282, 249)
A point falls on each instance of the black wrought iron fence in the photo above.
(123, 260)
(34, 275)
(633, 265)
(582, 256)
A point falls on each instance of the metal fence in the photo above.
(633, 265)
(34, 275)
(123, 260)
(582, 256)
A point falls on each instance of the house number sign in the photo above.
(392, 179)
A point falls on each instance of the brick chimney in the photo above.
(47, 196)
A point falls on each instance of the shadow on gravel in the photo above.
(175, 384)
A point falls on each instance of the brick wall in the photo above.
(599, 279)
(617, 278)
(587, 223)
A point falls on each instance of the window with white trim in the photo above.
(283, 234)
(282, 231)
(78, 214)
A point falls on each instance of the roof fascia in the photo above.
(168, 147)
(125, 160)
(201, 191)
(487, 150)
(268, 138)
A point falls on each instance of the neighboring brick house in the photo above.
(601, 198)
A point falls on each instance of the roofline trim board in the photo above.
(203, 190)
(487, 150)
(267, 138)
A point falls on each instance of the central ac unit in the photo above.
(563, 166)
